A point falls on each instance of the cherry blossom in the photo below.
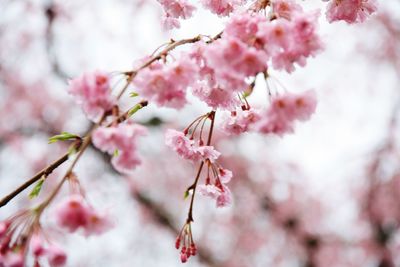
(221, 195)
(350, 11)
(222, 71)
(222, 7)
(187, 148)
(240, 122)
(56, 256)
(73, 214)
(166, 84)
(284, 110)
(92, 92)
(120, 141)
(175, 9)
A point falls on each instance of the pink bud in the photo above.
(178, 242)
(193, 249)
(36, 245)
(183, 257)
(4, 245)
(56, 256)
(183, 250)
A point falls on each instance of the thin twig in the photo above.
(190, 214)
(45, 172)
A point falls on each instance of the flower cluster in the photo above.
(240, 122)
(174, 10)
(215, 188)
(285, 110)
(55, 255)
(218, 71)
(120, 141)
(21, 234)
(185, 238)
(351, 11)
(194, 150)
(165, 84)
(92, 92)
(188, 149)
(278, 119)
(73, 213)
(222, 7)
(221, 71)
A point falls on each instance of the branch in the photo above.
(190, 214)
(45, 172)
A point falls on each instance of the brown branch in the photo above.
(50, 168)
(174, 44)
(45, 172)
(190, 214)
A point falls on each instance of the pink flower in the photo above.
(92, 92)
(221, 7)
(216, 97)
(285, 8)
(295, 106)
(73, 213)
(272, 123)
(181, 144)
(225, 175)
(239, 122)
(225, 198)
(285, 109)
(120, 141)
(245, 26)
(209, 191)
(166, 84)
(56, 256)
(97, 224)
(222, 196)
(177, 8)
(187, 148)
(208, 152)
(287, 42)
(37, 246)
(351, 11)
(232, 61)
(170, 23)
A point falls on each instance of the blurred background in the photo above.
(328, 195)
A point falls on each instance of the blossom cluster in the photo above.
(174, 10)
(215, 183)
(121, 142)
(218, 71)
(166, 84)
(350, 11)
(92, 91)
(15, 244)
(221, 72)
(73, 213)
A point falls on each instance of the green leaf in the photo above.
(186, 195)
(64, 136)
(133, 94)
(36, 190)
(134, 109)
